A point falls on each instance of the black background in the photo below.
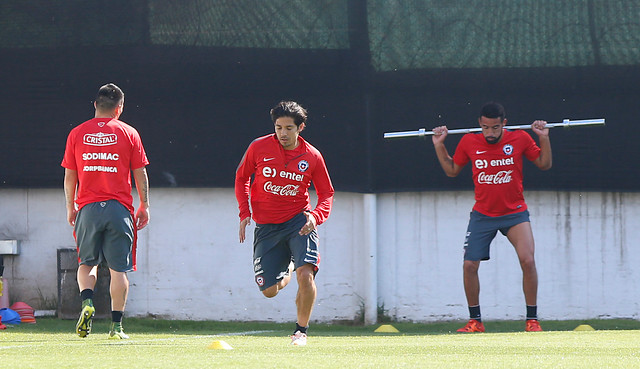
(197, 109)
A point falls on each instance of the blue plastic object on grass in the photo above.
(9, 316)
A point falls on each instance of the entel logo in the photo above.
(100, 139)
(273, 173)
(482, 164)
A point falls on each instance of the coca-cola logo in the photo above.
(287, 190)
(503, 176)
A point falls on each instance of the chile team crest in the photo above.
(507, 149)
(303, 165)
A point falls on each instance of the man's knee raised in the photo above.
(271, 291)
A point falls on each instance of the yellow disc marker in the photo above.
(584, 327)
(387, 328)
(220, 345)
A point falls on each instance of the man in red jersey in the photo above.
(285, 239)
(99, 157)
(496, 155)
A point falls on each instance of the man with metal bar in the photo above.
(496, 155)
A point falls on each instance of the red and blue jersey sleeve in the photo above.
(246, 168)
(324, 190)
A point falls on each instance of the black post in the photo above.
(361, 61)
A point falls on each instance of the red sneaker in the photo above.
(472, 326)
(533, 326)
(2, 326)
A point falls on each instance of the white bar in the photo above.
(39, 313)
(565, 123)
(9, 247)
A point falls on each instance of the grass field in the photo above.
(51, 343)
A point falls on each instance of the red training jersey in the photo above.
(280, 188)
(104, 151)
(497, 170)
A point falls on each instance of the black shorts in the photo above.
(104, 231)
(277, 245)
(482, 230)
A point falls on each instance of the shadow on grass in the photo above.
(190, 327)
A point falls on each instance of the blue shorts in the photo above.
(482, 230)
(277, 245)
(104, 231)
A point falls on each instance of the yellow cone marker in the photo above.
(387, 328)
(584, 327)
(220, 345)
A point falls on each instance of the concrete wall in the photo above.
(585, 255)
(191, 266)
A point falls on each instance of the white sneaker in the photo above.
(116, 332)
(299, 339)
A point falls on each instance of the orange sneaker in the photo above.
(472, 326)
(533, 326)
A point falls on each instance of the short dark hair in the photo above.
(109, 97)
(289, 109)
(492, 110)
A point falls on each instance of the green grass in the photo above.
(51, 343)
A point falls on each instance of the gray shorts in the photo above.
(276, 245)
(104, 231)
(482, 230)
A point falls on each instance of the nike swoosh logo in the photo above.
(268, 159)
(480, 152)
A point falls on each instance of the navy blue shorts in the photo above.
(104, 231)
(482, 230)
(276, 245)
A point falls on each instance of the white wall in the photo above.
(585, 254)
(191, 266)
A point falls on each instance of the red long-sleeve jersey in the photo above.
(280, 188)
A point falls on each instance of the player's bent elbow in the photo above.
(545, 166)
(451, 174)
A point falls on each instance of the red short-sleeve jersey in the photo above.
(280, 188)
(104, 151)
(497, 170)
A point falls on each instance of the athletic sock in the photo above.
(86, 294)
(87, 297)
(474, 313)
(301, 329)
(116, 316)
(532, 312)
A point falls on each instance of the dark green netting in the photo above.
(407, 34)
(200, 77)
(416, 34)
(289, 24)
(72, 23)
